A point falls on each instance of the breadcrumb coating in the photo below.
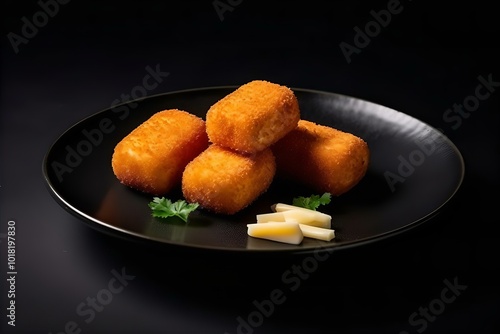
(253, 117)
(324, 158)
(224, 181)
(153, 156)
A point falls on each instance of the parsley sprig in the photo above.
(164, 208)
(312, 202)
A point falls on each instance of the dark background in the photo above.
(427, 59)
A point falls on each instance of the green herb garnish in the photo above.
(164, 208)
(312, 202)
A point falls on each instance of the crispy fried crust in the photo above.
(253, 117)
(322, 157)
(224, 181)
(153, 156)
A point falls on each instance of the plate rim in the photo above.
(118, 232)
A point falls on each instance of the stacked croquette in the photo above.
(239, 165)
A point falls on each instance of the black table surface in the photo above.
(65, 60)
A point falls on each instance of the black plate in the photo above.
(414, 170)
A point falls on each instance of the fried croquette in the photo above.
(153, 156)
(321, 157)
(253, 117)
(224, 181)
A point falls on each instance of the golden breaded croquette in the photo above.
(321, 157)
(253, 117)
(153, 156)
(224, 181)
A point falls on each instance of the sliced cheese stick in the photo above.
(303, 215)
(287, 232)
(297, 216)
(279, 207)
(308, 231)
(269, 217)
(317, 232)
(307, 218)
